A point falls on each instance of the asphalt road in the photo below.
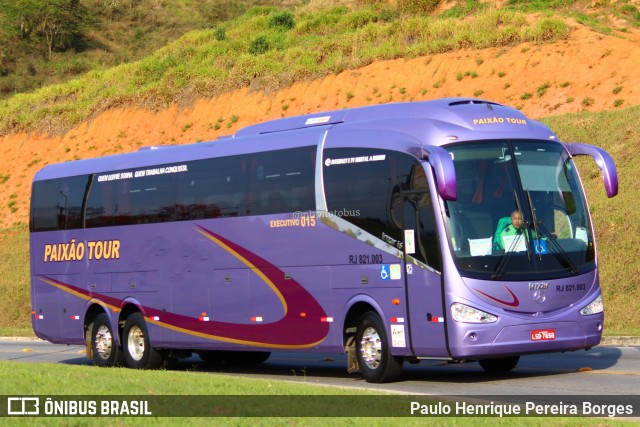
(604, 370)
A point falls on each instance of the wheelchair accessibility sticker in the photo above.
(390, 271)
(540, 247)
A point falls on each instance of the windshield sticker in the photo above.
(142, 173)
(360, 159)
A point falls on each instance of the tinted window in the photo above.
(368, 187)
(100, 210)
(253, 184)
(283, 181)
(214, 188)
(57, 203)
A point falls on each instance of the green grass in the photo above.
(616, 220)
(113, 32)
(266, 57)
(21, 379)
(15, 304)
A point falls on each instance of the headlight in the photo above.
(594, 307)
(465, 314)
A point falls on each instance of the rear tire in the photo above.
(136, 345)
(499, 365)
(104, 349)
(377, 364)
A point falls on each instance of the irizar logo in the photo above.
(536, 286)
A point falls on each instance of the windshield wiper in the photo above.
(502, 262)
(559, 252)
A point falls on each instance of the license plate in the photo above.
(543, 335)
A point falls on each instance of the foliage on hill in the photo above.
(49, 41)
(266, 49)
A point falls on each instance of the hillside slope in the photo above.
(588, 71)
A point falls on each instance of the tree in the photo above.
(56, 21)
(59, 21)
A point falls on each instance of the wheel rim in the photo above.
(135, 343)
(371, 348)
(104, 342)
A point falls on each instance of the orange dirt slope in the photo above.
(589, 71)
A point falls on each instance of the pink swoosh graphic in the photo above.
(514, 299)
(293, 330)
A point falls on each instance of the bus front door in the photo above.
(423, 279)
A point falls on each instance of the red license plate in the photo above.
(543, 335)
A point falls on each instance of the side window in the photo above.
(57, 203)
(428, 248)
(283, 181)
(134, 196)
(363, 186)
(100, 210)
(145, 200)
(214, 188)
(383, 192)
(252, 184)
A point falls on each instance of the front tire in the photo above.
(377, 364)
(136, 345)
(104, 350)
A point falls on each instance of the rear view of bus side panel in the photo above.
(57, 316)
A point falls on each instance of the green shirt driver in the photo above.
(512, 229)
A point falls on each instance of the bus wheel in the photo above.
(501, 364)
(377, 364)
(138, 352)
(103, 346)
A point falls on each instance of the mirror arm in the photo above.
(603, 160)
(445, 173)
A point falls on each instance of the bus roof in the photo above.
(436, 122)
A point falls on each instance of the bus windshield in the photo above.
(520, 212)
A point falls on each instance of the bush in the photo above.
(220, 33)
(417, 6)
(282, 20)
(259, 45)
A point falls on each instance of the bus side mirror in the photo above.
(603, 160)
(442, 164)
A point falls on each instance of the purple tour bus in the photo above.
(384, 232)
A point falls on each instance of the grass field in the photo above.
(616, 219)
(20, 379)
(15, 302)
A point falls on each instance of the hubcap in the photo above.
(371, 348)
(103, 342)
(135, 343)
